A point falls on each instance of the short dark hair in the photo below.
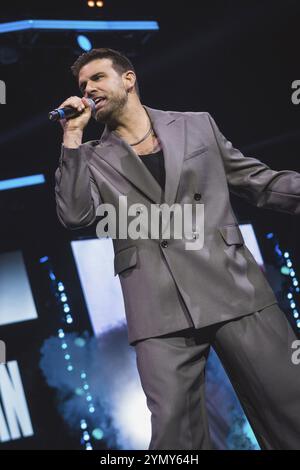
(119, 62)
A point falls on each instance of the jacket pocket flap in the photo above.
(196, 152)
(231, 235)
(125, 259)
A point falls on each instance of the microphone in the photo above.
(68, 112)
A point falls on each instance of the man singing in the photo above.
(180, 301)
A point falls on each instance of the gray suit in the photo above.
(170, 288)
(167, 288)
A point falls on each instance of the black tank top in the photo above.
(155, 164)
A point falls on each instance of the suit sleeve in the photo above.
(253, 180)
(77, 196)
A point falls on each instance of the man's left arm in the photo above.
(253, 180)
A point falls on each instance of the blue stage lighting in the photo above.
(20, 182)
(78, 25)
(84, 42)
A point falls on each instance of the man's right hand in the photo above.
(73, 128)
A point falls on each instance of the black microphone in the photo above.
(68, 112)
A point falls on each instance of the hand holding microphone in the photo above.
(79, 112)
(74, 113)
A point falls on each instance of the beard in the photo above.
(112, 107)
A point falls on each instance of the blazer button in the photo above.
(164, 243)
(197, 196)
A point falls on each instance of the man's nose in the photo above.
(90, 89)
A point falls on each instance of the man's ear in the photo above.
(129, 79)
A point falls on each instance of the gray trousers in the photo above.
(256, 352)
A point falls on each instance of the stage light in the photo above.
(84, 42)
(284, 270)
(132, 415)
(83, 424)
(78, 25)
(80, 342)
(97, 434)
(286, 263)
(278, 250)
(91, 4)
(21, 182)
(99, 4)
(83, 390)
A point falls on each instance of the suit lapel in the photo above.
(171, 133)
(116, 152)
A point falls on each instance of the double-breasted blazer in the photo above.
(165, 286)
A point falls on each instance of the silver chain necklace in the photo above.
(145, 136)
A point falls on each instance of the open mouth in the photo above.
(99, 102)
